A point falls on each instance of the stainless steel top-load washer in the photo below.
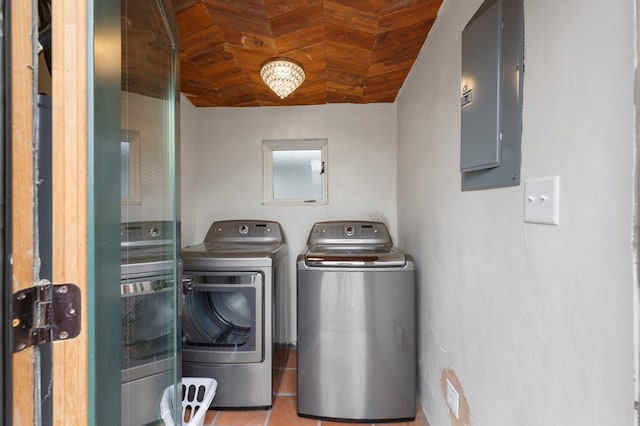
(234, 311)
(356, 325)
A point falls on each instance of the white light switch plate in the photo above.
(542, 200)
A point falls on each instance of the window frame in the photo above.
(271, 145)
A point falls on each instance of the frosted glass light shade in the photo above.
(282, 75)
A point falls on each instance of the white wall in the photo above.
(222, 168)
(535, 321)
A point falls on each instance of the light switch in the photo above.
(542, 200)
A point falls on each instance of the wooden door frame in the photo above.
(69, 132)
(70, 200)
(21, 219)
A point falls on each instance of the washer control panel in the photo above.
(351, 232)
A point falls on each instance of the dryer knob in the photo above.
(244, 229)
(349, 231)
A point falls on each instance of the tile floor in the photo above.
(283, 412)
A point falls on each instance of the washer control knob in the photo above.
(154, 231)
(349, 230)
(244, 229)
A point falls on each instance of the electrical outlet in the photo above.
(452, 398)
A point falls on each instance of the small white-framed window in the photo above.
(295, 171)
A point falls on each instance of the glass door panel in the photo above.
(148, 213)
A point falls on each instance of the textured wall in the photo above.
(534, 321)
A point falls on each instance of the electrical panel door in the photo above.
(491, 96)
(481, 90)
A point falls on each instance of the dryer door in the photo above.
(147, 323)
(223, 317)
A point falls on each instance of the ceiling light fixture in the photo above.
(282, 75)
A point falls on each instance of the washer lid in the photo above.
(354, 256)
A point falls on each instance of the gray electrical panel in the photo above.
(491, 98)
(481, 90)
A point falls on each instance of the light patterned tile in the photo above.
(292, 361)
(285, 413)
(328, 423)
(208, 419)
(241, 418)
(288, 384)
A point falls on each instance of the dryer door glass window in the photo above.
(147, 322)
(223, 313)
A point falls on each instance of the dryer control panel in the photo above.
(244, 231)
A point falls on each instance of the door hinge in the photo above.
(45, 313)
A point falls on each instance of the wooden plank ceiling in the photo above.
(352, 51)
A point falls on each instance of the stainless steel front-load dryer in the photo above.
(356, 325)
(234, 311)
